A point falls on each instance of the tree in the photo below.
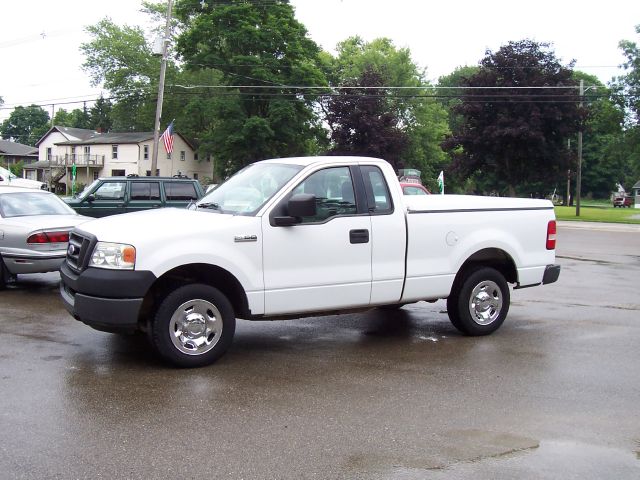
(362, 123)
(629, 83)
(263, 48)
(519, 111)
(100, 115)
(407, 98)
(25, 125)
(77, 118)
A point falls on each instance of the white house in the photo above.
(111, 154)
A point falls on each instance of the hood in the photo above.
(167, 224)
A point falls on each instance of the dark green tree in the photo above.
(407, 99)
(260, 50)
(100, 115)
(362, 123)
(519, 112)
(25, 125)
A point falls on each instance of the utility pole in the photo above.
(579, 172)
(163, 69)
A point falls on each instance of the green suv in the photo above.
(113, 195)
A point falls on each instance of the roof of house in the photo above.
(69, 133)
(111, 138)
(38, 164)
(637, 185)
(18, 149)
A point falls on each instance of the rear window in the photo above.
(180, 191)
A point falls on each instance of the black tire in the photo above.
(193, 326)
(486, 314)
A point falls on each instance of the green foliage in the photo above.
(100, 115)
(77, 118)
(254, 44)
(628, 85)
(25, 125)
(406, 112)
(15, 168)
(516, 136)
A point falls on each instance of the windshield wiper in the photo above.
(211, 205)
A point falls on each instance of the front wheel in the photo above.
(479, 301)
(194, 326)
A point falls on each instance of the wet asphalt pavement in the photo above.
(555, 393)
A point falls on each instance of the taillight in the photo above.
(551, 235)
(49, 237)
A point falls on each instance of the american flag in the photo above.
(167, 138)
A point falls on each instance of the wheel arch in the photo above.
(207, 274)
(495, 258)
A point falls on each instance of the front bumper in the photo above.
(108, 300)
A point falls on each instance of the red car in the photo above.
(414, 189)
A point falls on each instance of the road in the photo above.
(555, 393)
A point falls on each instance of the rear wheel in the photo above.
(194, 326)
(479, 301)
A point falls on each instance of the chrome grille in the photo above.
(80, 247)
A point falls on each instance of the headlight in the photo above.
(113, 255)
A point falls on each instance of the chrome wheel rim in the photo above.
(485, 303)
(195, 327)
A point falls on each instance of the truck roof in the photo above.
(328, 160)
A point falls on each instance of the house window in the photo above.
(96, 175)
(183, 155)
(146, 152)
(168, 156)
(195, 156)
(73, 154)
(114, 151)
(48, 153)
(118, 173)
(157, 172)
(209, 158)
(87, 152)
(195, 176)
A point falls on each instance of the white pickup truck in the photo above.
(297, 237)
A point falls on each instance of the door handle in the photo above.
(359, 236)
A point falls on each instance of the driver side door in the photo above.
(324, 261)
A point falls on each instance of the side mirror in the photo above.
(91, 198)
(301, 205)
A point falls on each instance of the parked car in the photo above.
(622, 201)
(414, 189)
(34, 231)
(113, 195)
(8, 178)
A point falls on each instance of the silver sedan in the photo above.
(34, 231)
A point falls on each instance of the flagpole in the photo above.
(163, 69)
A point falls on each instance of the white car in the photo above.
(8, 178)
(34, 231)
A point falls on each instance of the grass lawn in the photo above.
(599, 214)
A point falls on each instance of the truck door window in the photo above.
(333, 188)
(378, 196)
(111, 191)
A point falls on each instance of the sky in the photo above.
(41, 61)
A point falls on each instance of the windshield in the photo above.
(23, 204)
(6, 173)
(249, 189)
(85, 191)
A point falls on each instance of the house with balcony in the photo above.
(96, 154)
